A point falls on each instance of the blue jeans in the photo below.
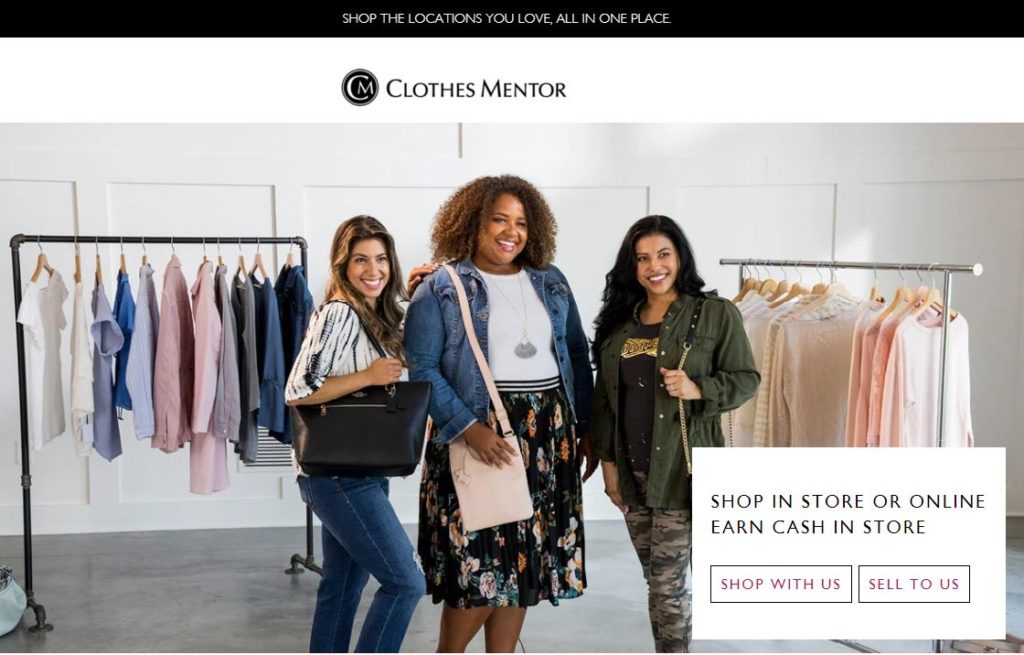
(361, 537)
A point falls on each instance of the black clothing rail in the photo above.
(19, 240)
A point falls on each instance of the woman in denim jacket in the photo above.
(500, 235)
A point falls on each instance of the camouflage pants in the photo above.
(661, 538)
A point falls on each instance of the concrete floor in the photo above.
(225, 591)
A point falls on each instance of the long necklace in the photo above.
(524, 349)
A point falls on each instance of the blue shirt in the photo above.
(107, 338)
(296, 305)
(124, 314)
(439, 352)
(269, 358)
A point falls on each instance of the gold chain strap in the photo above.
(682, 417)
(730, 427)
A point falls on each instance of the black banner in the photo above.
(493, 19)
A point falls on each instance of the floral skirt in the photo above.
(515, 564)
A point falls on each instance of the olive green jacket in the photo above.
(720, 363)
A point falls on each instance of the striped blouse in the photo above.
(335, 344)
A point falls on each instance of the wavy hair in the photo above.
(622, 293)
(457, 223)
(383, 321)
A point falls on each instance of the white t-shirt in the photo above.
(512, 299)
(42, 313)
(81, 373)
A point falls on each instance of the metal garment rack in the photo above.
(19, 240)
(947, 271)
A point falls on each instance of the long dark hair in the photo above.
(385, 320)
(622, 293)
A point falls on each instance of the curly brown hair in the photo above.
(457, 222)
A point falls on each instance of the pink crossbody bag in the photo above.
(488, 495)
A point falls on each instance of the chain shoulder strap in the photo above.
(687, 345)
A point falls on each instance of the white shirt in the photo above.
(910, 396)
(81, 373)
(44, 318)
(511, 300)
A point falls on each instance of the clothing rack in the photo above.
(19, 240)
(947, 271)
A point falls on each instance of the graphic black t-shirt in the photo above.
(638, 375)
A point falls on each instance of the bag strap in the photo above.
(467, 321)
(373, 341)
(687, 344)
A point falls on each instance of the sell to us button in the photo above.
(914, 583)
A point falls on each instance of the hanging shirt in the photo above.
(207, 349)
(139, 371)
(910, 397)
(858, 355)
(174, 364)
(812, 371)
(124, 314)
(208, 469)
(767, 369)
(879, 362)
(42, 313)
(107, 340)
(269, 358)
(227, 408)
(243, 303)
(30, 316)
(295, 304)
(81, 373)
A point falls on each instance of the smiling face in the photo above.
(657, 266)
(368, 269)
(502, 236)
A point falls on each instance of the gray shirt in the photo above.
(139, 375)
(243, 301)
(107, 336)
(227, 408)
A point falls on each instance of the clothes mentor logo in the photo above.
(360, 87)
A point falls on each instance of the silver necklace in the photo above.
(524, 349)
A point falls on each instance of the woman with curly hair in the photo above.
(654, 309)
(499, 234)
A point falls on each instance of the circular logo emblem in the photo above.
(359, 87)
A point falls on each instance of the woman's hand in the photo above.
(384, 370)
(586, 457)
(417, 275)
(611, 485)
(488, 447)
(679, 385)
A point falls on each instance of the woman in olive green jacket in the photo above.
(649, 304)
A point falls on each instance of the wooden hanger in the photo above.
(78, 264)
(901, 296)
(99, 267)
(780, 291)
(41, 264)
(290, 262)
(749, 284)
(798, 289)
(257, 263)
(876, 295)
(145, 260)
(124, 265)
(242, 271)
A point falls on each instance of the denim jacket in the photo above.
(439, 352)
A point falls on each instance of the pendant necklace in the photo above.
(524, 349)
